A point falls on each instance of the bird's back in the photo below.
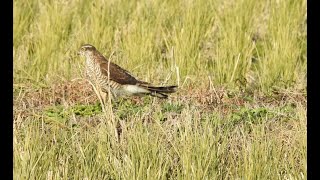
(114, 72)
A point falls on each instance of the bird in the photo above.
(108, 76)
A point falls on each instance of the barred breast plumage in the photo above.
(96, 76)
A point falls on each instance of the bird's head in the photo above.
(86, 50)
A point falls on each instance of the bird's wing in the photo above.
(117, 74)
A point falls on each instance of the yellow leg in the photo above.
(106, 94)
(104, 97)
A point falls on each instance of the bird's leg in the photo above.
(113, 96)
(104, 97)
(106, 94)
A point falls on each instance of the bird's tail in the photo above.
(160, 91)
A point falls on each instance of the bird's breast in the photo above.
(95, 74)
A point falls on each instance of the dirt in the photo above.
(81, 92)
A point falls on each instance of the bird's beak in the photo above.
(78, 53)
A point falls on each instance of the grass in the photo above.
(240, 112)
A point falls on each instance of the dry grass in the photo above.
(240, 112)
(227, 135)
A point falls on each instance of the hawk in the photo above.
(109, 76)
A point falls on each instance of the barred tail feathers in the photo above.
(161, 91)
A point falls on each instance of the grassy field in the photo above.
(239, 113)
